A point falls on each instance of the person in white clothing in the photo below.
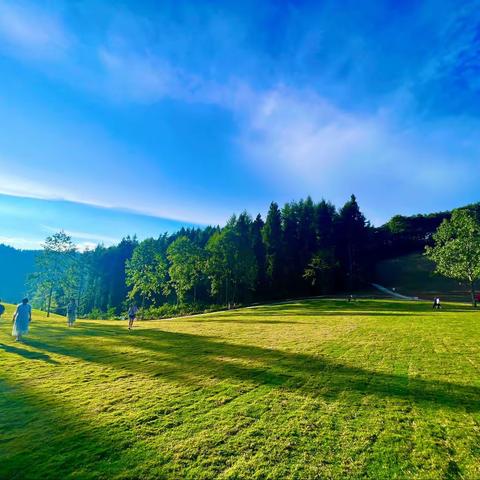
(21, 320)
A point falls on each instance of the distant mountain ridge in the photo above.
(15, 266)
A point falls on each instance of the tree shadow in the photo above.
(337, 307)
(44, 438)
(28, 353)
(184, 357)
(235, 319)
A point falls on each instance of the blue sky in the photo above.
(190, 111)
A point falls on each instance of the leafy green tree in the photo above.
(54, 268)
(186, 266)
(230, 266)
(320, 270)
(146, 272)
(456, 250)
(219, 265)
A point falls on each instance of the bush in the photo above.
(167, 310)
(97, 314)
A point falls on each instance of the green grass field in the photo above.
(315, 389)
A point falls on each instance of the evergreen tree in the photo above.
(259, 251)
(290, 254)
(352, 235)
(272, 237)
(246, 268)
(325, 218)
(307, 230)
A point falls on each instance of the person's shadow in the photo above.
(28, 353)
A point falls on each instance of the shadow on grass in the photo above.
(36, 426)
(322, 306)
(181, 357)
(28, 354)
(329, 307)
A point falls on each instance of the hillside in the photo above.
(312, 389)
(414, 275)
(15, 266)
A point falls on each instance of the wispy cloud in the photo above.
(26, 29)
(22, 243)
(307, 144)
(316, 111)
(91, 238)
(182, 211)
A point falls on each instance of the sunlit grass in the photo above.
(314, 389)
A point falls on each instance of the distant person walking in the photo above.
(2, 309)
(71, 313)
(132, 315)
(21, 319)
(436, 303)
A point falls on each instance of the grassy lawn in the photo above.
(315, 389)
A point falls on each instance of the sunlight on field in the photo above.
(313, 389)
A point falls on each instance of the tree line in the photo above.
(303, 248)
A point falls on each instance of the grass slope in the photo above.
(314, 389)
(413, 275)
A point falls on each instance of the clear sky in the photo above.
(191, 111)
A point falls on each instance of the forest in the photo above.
(302, 249)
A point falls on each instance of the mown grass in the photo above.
(314, 389)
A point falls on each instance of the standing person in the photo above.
(132, 315)
(2, 309)
(71, 313)
(21, 319)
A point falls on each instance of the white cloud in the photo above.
(21, 242)
(309, 145)
(21, 186)
(292, 137)
(302, 135)
(91, 238)
(84, 246)
(184, 210)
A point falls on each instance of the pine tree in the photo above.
(259, 251)
(272, 237)
(306, 232)
(352, 232)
